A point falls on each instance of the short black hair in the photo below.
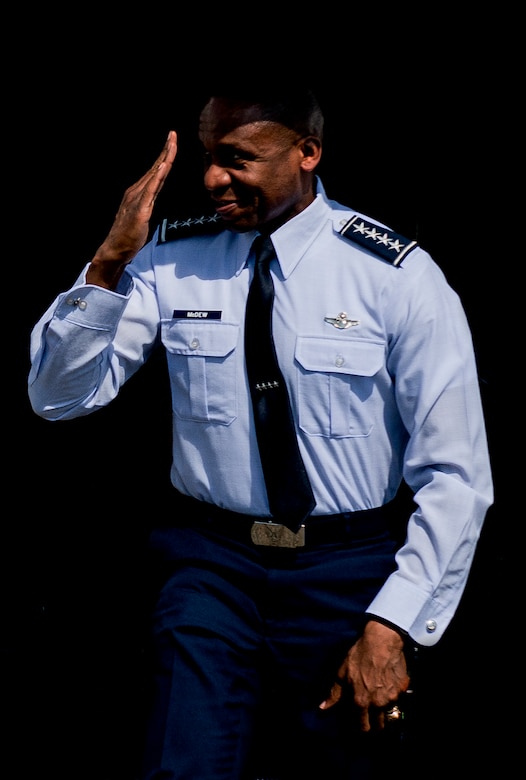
(294, 107)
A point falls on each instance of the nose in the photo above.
(216, 177)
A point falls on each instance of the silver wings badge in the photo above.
(341, 321)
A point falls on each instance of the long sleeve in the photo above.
(86, 345)
(394, 396)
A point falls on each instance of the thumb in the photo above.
(334, 696)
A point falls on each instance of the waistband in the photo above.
(263, 531)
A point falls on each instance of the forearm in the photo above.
(422, 596)
(72, 370)
(109, 262)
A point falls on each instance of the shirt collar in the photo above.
(293, 238)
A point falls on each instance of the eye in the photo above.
(225, 158)
(230, 158)
(235, 160)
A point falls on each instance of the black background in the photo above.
(418, 135)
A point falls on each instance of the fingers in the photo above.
(143, 193)
(365, 719)
(168, 153)
(370, 716)
(170, 147)
(154, 179)
(335, 696)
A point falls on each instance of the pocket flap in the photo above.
(215, 339)
(361, 357)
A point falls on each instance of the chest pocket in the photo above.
(202, 366)
(337, 392)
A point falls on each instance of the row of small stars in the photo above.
(194, 221)
(379, 238)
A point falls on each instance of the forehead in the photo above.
(228, 122)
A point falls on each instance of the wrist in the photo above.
(105, 273)
(404, 634)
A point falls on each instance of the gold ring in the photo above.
(395, 713)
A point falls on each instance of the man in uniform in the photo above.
(313, 606)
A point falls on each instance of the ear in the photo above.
(310, 148)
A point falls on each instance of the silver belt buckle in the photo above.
(276, 535)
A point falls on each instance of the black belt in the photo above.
(318, 529)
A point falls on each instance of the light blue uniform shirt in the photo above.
(395, 394)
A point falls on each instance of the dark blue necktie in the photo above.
(288, 488)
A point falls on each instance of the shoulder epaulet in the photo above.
(389, 245)
(170, 229)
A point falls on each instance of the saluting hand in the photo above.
(376, 670)
(129, 231)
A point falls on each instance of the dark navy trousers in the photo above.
(246, 643)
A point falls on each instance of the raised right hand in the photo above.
(129, 231)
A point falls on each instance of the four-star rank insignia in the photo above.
(389, 245)
(170, 229)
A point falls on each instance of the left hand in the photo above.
(376, 669)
